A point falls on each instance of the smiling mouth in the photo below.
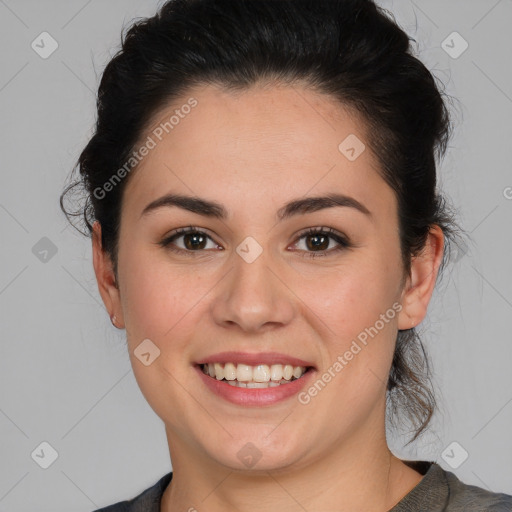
(258, 376)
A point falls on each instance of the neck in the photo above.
(359, 473)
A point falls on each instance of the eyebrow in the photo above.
(212, 209)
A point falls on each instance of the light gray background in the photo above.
(65, 376)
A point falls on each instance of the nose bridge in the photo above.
(252, 295)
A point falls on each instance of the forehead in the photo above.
(277, 119)
(258, 143)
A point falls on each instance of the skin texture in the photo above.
(253, 152)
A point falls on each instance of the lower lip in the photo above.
(254, 396)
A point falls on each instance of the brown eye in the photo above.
(194, 241)
(318, 240)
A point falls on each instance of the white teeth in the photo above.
(243, 373)
(297, 372)
(257, 385)
(229, 371)
(269, 384)
(259, 376)
(276, 372)
(261, 373)
(219, 371)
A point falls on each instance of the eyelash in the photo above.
(331, 233)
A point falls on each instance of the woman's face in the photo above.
(248, 283)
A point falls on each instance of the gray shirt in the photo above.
(438, 491)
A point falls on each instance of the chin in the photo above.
(257, 454)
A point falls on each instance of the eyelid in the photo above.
(187, 229)
(321, 229)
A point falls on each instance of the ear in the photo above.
(420, 284)
(105, 277)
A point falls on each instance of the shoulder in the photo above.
(442, 491)
(146, 501)
(465, 497)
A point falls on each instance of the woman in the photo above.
(261, 194)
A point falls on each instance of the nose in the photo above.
(254, 297)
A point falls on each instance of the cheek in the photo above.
(159, 299)
(358, 311)
(160, 303)
(351, 300)
(358, 332)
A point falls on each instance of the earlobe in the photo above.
(421, 282)
(105, 277)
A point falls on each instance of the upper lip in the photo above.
(253, 359)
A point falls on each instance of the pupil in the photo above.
(193, 244)
(316, 245)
